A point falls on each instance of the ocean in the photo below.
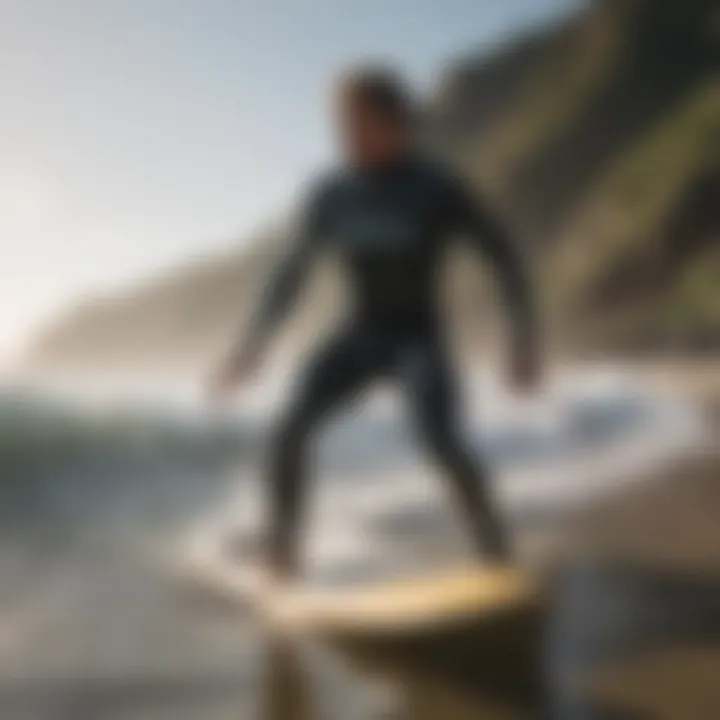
(109, 492)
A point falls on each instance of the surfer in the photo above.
(390, 213)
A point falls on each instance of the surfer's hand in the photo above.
(525, 371)
(232, 373)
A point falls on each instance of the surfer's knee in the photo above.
(288, 437)
(439, 435)
(292, 433)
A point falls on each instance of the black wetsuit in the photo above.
(391, 228)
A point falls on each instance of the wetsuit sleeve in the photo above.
(471, 218)
(308, 234)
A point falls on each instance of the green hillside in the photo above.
(641, 258)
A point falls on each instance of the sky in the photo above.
(135, 134)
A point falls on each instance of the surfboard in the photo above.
(477, 624)
(407, 605)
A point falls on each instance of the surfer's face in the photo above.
(369, 136)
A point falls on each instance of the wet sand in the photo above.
(651, 557)
(657, 555)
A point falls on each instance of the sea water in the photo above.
(106, 490)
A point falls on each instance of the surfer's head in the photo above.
(375, 115)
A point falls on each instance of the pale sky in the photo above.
(137, 133)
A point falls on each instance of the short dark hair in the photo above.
(382, 88)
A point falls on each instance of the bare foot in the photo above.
(265, 580)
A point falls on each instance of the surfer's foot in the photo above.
(498, 556)
(495, 548)
(278, 572)
(283, 571)
(265, 580)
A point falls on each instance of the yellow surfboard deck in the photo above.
(408, 604)
(478, 622)
(402, 606)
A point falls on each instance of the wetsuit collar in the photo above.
(394, 166)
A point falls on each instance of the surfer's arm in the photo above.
(285, 282)
(471, 218)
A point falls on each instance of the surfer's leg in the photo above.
(429, 380)
(335, 375)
